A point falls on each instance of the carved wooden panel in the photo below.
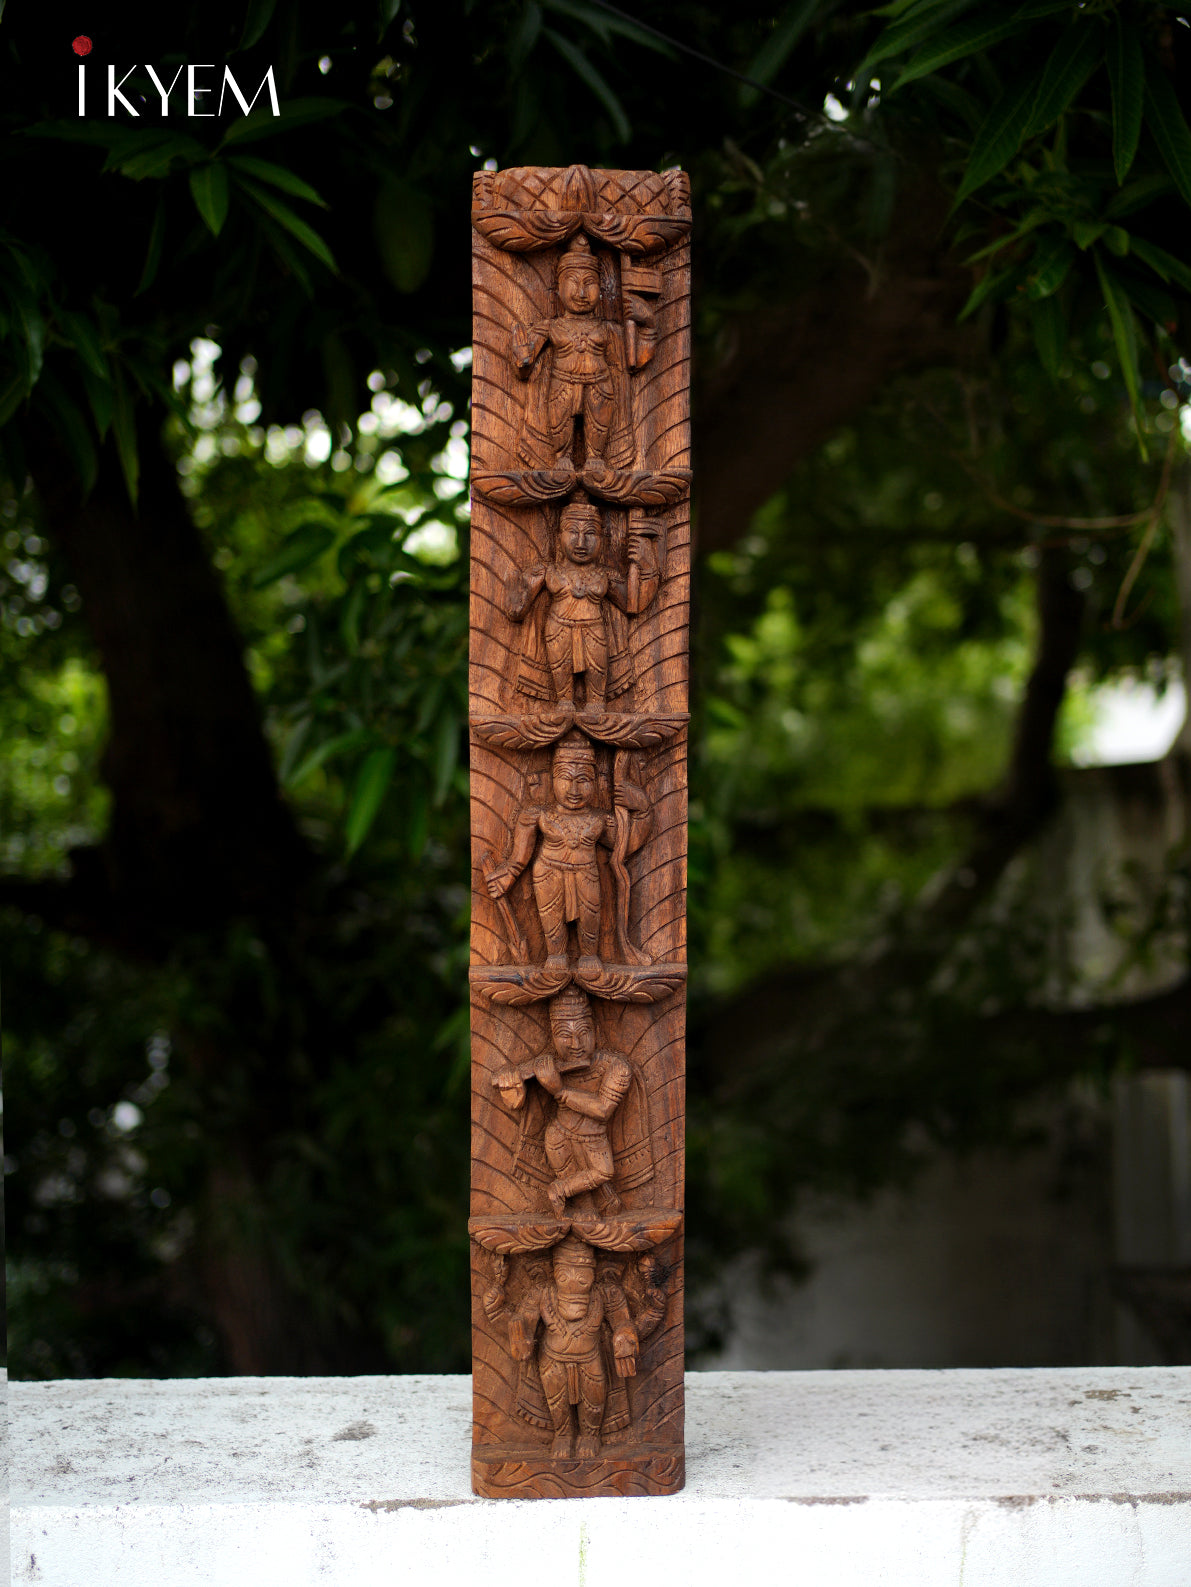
(579, 594)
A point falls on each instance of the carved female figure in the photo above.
(562, 840)
(589, 1340)
(576, 367)
(581, 632)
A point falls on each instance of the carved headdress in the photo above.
(571, 1003)
(577, 257)
(574, 750)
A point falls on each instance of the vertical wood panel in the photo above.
(580, 587)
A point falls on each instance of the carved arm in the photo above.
(528, 342)
(654, 1309)
(625, 1342)
(523, 590)
(606, 1101)
(525, 838)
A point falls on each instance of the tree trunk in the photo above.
(198, 830)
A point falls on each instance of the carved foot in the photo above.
(590, 962)
(588, 1446)
(561, 1445)
(556, 1196)
(556, 961)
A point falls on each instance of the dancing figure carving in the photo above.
(599, 1129)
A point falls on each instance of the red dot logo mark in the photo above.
(82, 45)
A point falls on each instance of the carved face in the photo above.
(579, 291)
(581, 538)
(573, 1276)
(573, 1035)
(574, 784)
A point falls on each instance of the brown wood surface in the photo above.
(579, 609)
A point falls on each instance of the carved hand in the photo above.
(499, 881)
(520, 1341)
(511, 1087)
(546, 1072)
(628, 796)
(625, 1346)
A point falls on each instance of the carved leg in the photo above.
(548, 894)
(593, 1391)
(554, 1386)
(557, 638)
(595, 676)
(587, 926)
(599, 411)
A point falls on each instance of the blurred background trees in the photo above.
(942, 325)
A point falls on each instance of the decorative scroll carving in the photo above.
(580, 571)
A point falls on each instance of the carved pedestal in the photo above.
(579, 591)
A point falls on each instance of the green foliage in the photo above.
(859, 658)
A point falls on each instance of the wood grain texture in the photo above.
(580, 563)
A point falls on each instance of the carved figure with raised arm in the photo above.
(577, 368)
(589, 1343)
(559, 842)
(575, 608)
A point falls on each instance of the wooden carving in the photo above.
(579, 590)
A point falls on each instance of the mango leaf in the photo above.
(1068, 68)
(1124, 334)
(911, 30)
(525, 35)
(1050, 333)
(1126, 79)
(124, 430)
(1163, 263)
(256, 20)
(84, 338)
(208, 188)
(403, 225)
(446, 754)
(1165, 120)
(341, 744)
(371, 786)
(1156, 305)
(999, 137)
(1086, 232)
(153, 251)
(1137, 195)
(773, 54)
(606, 25)
(586, 72)
(298, 550)
(1049, 266)
(1116, 240)
(966, 38)
(277, 176)
(262, 123)
(995, 285)
(156, 162)
(294, 224)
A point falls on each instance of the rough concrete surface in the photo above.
(1078, 1476)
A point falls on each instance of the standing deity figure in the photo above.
(589, 1344)
(562, 839)
(577, 368)
(578, 630)
(600, 1126)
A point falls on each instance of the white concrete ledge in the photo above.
(1072, 1478)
